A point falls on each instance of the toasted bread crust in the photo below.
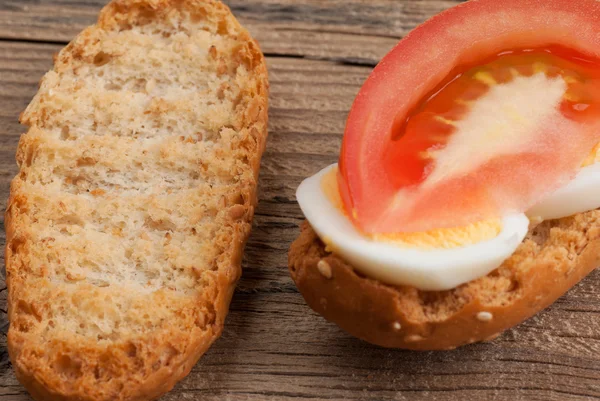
(143, 368)
(554, 257)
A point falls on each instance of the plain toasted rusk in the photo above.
(554, 256)
(137, 186)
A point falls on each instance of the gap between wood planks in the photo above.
(347, 61)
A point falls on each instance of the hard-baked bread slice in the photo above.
(554, 256)
(137, 186)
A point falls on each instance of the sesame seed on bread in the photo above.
(554, 256)
(137, 186)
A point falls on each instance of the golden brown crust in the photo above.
(554, 257)
(147, 367)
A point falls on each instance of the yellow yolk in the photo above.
(329, 186)
(442, 238)
(593, 158)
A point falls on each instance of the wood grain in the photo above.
(354, 32)
(274, 347)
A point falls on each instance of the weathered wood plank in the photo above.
(355, 31)
(274, 347)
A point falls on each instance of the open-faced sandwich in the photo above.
(465, 196)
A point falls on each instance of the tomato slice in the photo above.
(446, 132)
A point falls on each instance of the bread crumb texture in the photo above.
(554, 256)
(137, 186)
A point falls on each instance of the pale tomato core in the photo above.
(430, 123)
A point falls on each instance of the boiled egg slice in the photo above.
(580, 195)
(427, 268)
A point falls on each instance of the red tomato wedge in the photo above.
(481, 111)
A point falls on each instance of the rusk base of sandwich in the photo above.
(554, 256)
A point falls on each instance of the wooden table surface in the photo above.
(274, 347)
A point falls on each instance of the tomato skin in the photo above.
(463, 34)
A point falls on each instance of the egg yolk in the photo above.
(442, 238)
(593, 158)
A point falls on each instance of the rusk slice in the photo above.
(137, 186)
(554, 256)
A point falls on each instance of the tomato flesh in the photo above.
(396, 123)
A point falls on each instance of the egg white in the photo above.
(430, 270)
(580, 195)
